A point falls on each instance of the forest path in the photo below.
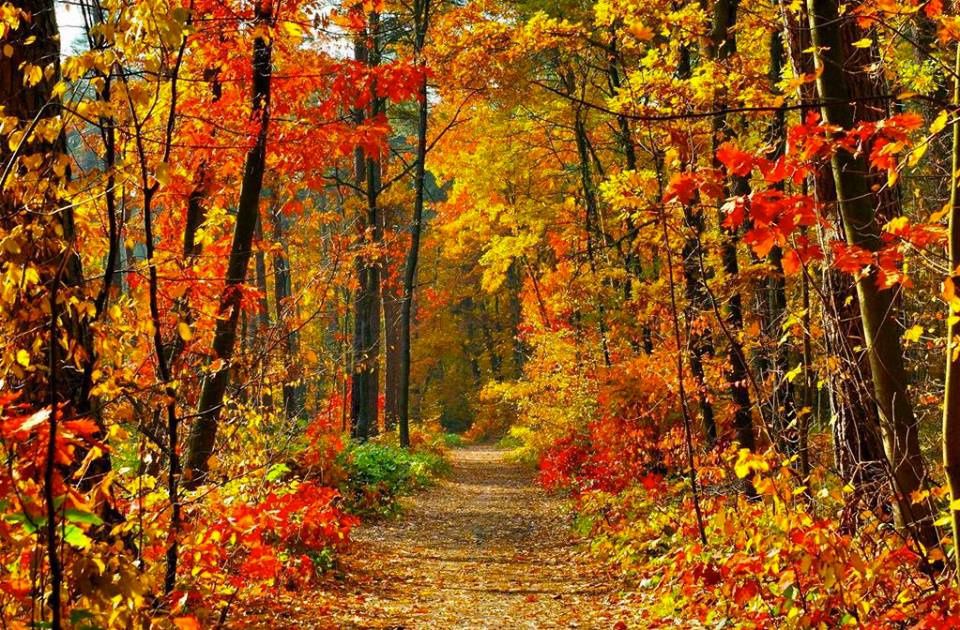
(485, 548)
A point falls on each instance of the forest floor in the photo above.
(484, 548)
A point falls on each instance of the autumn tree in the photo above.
(203, 431)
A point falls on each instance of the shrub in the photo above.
(451, 440)
(283, 539)
(378, 474)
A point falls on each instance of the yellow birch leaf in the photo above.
(939, 122)
(913, 333)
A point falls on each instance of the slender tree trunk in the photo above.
(204, 430)
(421, 24)
(632, 262)
(592, 225)
(951, 398)
(486, 330)
(294, 385)
(261, 322)
(160, 350)
(782, 407)
(699, 343)
(723, 46)
(898, 422)
(392, 307)
(515, 285)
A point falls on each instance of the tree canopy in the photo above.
(697, 261)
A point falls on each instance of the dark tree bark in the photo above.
(392, 295)
(851, 175)
(204, 430)
(699, 342)
(32, 105)
(260, 322)
(723, 44)
(951, 398)
(858, 452)
(365, 382)
(421, 10)
(514, 306)
(39, 238)
(635, 272)
(772, 301)
(592, 228)
(294, 386)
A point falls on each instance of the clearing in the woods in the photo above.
(485, 548)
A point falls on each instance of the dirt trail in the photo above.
(485, 548)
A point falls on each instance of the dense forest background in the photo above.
(698, 261)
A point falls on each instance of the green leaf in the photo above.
(85, 518)
(75, 537)
(29, 525)
(277, 471)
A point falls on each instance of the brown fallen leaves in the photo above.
(484, 549)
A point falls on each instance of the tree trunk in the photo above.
(515, 308)
(858, 452)
(392, 291)
(592, 227)
(421, 24)
(951, 398)
(294, 386)
(40, 235)
(699, 344)
(723, 45)
(392, 295)
(772, 296)
(365, 382)
(261, 322)
(898, 423)
(43, 249)
(632, 262)
(204, 430)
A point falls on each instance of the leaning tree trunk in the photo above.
(898, 422)
(203, 432)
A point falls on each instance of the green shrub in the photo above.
(452, 440)
(378, 474)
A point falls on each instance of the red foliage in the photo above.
(263, 541)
